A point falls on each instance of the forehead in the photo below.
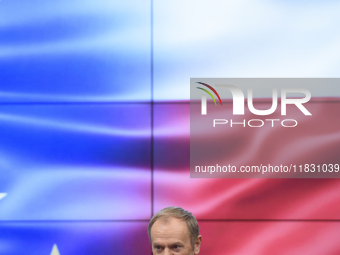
(170, 230)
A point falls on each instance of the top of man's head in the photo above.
(167, 213)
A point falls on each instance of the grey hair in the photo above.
(179, 213)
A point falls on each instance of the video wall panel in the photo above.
(261, 198)
(290, 237)
(79, 51)
(80, 161)
(73, 238)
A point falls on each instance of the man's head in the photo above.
(173, 230)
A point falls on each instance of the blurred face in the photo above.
(171, 237)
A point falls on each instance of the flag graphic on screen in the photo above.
(55, 250)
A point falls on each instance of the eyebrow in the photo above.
(172, 244)
(157, 244)
(177, 243)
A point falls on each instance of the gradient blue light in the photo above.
(59, 160)
(61, 51)
(73, 238)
